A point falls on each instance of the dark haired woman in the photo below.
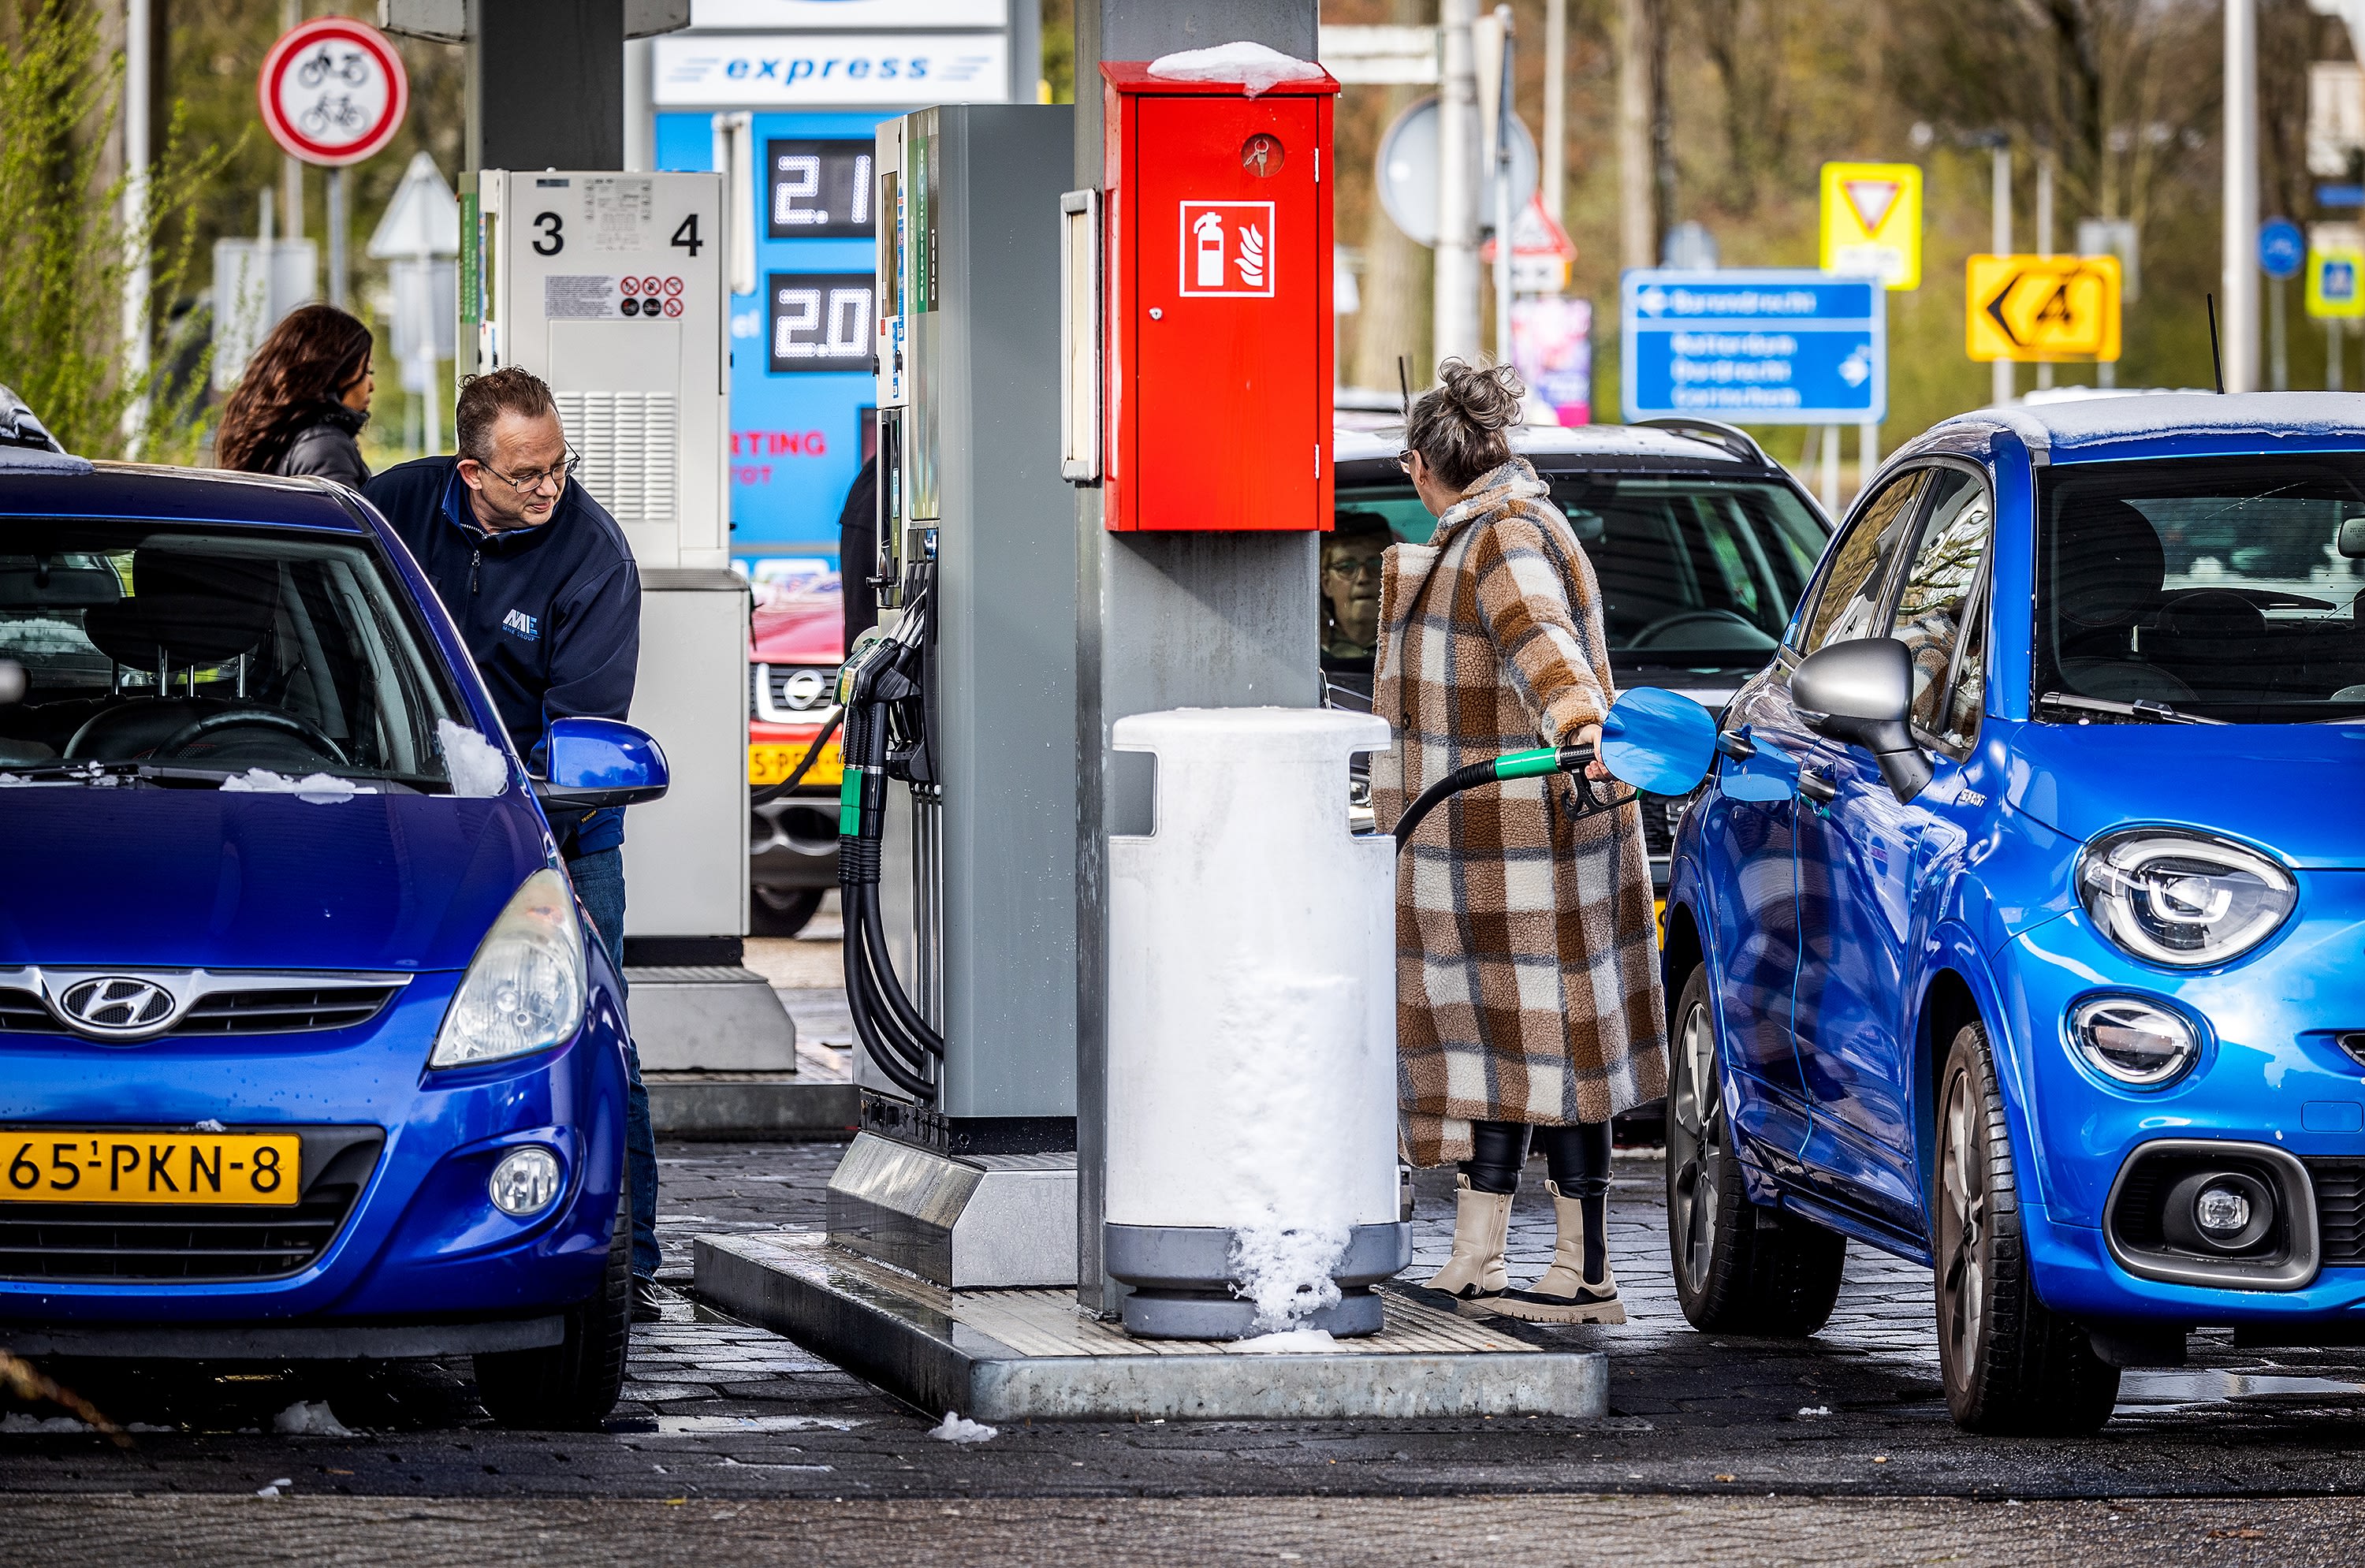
(300, 406)
(1527, 972)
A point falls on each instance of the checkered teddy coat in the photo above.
(1526, 970)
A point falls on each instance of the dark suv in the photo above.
(1702, 545)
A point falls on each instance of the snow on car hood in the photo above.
(186, 878)
(2290, 788)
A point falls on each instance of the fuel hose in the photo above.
(1569, 759)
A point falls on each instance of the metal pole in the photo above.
(1999, 387)
(137, 40)
(2332, 351)
(336, 238)
(1638, 213)
(430, 416)
(2044, 236)
(1555, 170)
(2279, 341)
(640, 108)
(291, 168)
(1455, 328)
(1867, 458)
(1502, 183)
(2238, 300)
(1830, 481)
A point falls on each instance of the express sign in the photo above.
(332, 91)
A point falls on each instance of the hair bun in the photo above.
(1485, 398)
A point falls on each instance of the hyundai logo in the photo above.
(113, 1006)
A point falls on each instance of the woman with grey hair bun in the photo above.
(1527, 970)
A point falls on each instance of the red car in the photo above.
(794, 647)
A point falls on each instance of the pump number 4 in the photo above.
(686, 235)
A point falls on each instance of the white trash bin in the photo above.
(1251, 1033)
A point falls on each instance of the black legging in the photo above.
(1577, 1155)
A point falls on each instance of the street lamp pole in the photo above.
(2238, 297)
(1456, 295)
(1999, 387)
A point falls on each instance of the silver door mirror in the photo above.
(1860, 693)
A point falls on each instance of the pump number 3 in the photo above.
(554, 238)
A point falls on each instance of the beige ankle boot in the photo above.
(1563, 1295)
(1480, 1220)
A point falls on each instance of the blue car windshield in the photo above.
(2220, 587)
(206, 650)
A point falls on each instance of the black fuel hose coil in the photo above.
(886, 676)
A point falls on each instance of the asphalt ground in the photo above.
(736, 1445)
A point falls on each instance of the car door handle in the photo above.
(1817, 785)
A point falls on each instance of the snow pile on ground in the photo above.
(1285, 1270)
(479, 771)
(1252, 65)
(18, 1421)
(320, 789)
(1814, 1409)
(1312, 1341)
(314, 1419)
(954, 1429)
(273, 1490)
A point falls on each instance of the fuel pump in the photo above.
(610, 287)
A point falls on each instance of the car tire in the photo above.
(572, 1385)
(1740, 1267)
(781, 912)
(2011, 1364)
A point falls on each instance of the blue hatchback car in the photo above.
(311, 1050)
(2020, 929)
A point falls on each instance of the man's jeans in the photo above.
(600, 883)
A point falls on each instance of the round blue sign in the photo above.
(2281, 247)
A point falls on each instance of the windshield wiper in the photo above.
(2155, 712)
(89, 770)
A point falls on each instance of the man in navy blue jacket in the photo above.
(543, 584)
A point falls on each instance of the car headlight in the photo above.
(524, 990)
(2134, 1041)
(2181, 899)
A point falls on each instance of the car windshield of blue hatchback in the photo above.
(197, 653)
(2219, 590)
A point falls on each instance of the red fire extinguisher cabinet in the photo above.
(1217, 296)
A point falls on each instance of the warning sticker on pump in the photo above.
(573, 297)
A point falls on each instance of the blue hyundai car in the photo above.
(2020, 929)
(309, 1050)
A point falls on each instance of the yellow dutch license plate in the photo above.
(67, 1166)
(771, 763)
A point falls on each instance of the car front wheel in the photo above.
(1740, 1267)
(572, 1385)
(2011, 1364)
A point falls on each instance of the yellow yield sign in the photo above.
(2042, 307)
(1872, 221)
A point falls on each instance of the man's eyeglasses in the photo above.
(555, 475)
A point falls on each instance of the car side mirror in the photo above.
(599, 762)
(1859, 693)
(2352, 537)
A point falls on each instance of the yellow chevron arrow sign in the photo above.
(2042, 307)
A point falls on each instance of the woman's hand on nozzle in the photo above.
(1591, 736)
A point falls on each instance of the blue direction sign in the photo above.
(1788, 346)
(2282, 247)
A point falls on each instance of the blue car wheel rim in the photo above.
(1695, 1140)
(1962, 1226)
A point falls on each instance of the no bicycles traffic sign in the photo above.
(332, 91)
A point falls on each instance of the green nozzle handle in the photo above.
(1548, 759)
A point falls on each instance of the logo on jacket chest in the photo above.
(519, 623)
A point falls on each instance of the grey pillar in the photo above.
(546, 85)
(1163, 620)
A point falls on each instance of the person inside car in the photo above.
(1354, 555)
(1528, 990)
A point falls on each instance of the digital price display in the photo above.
(820, 321)
(819, 189)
